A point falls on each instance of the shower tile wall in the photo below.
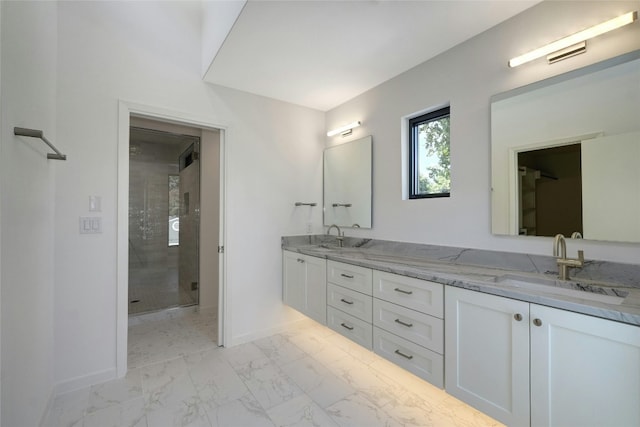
(153, 264)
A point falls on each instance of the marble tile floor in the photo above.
(306, 376)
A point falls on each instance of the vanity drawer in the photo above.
(355, 329)
(420, 295)
(422, 329)
(422, 362)
(351, 302)
(350, 276)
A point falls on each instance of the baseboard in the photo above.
(263, 333)
(85, 381)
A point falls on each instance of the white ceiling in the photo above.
(320, 54)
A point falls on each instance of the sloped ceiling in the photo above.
(320, 54)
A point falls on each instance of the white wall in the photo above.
(217, 19)
(28, 87)
(467, 76)
(1, 181)
(149, 53)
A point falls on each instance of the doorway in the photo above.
(164, 217)
(211, 287)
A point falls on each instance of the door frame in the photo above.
(125, 111)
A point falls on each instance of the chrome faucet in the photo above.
(564, 263)
(340, 235)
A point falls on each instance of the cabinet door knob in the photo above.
(537, 322)
(517, 316)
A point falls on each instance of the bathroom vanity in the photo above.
(490, 328)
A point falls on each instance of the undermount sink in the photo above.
(583, 290)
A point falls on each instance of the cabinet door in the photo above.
(316, 288)
(487, 353)
(351, 327)
(350, 276)
(421, 361)
(293, 286)
(411, 325)
(416, 294)
(585, 371)
(351, 302)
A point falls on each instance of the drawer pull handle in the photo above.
(348, 276)
(403, 291)
(346, 301)
(300, 260)
(344, 325)
(408, 325)
(406, 356)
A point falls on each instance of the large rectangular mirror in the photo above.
(565, 153)
(347, 184)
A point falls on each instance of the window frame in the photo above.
(414, 123)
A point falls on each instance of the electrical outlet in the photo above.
(309, 227)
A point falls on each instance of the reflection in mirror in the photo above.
(347, 184)
(550, 191)
(565, 154)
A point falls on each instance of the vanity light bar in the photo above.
(344, 128)
(576, 38)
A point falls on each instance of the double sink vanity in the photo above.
(530, 340)
(497, 330)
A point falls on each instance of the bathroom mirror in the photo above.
(347, 184)
(565, 154)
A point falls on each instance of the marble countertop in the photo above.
(577, 295)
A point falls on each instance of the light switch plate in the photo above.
(90, 224)
(95, 204)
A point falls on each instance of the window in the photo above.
(174, 210)
(429, 159)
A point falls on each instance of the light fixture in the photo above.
(575, 43)
(344, 130)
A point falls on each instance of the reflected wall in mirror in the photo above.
(347, 184)
(565, 154)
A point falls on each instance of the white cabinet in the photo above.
(416, 294)
(350, 276)
(487, 353)
(526, 364)
(408, 326)
(350, 303)
(585, 371)
(350, 326)
(304, 284)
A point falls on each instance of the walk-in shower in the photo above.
(164, 222)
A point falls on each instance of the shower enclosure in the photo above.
(164, 209)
